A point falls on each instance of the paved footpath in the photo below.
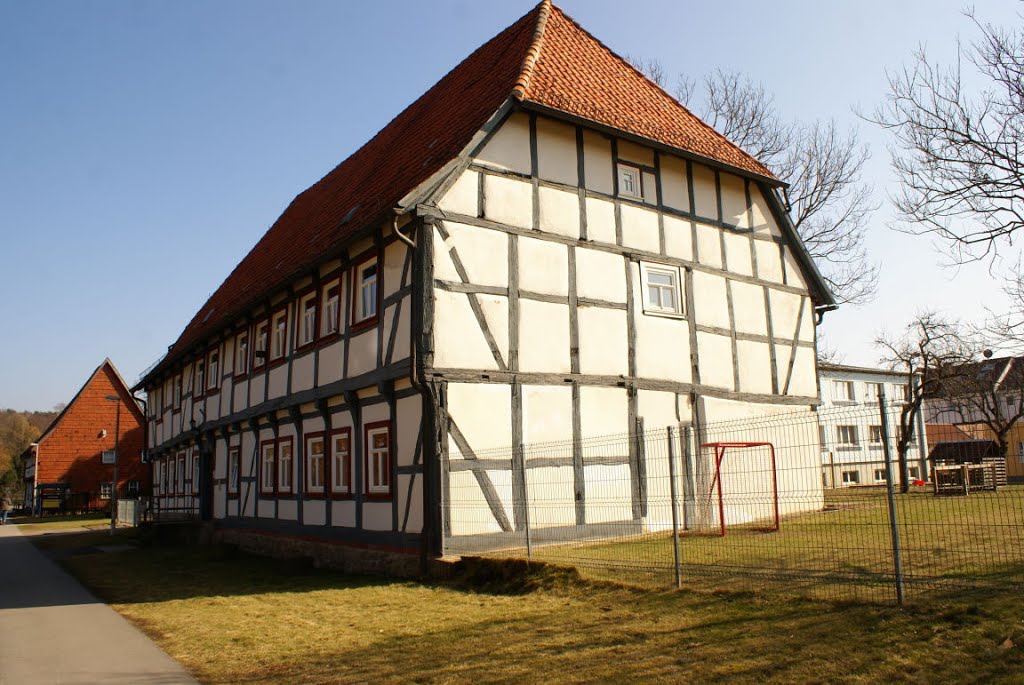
(52, 630)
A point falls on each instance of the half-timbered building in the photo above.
(543, 247)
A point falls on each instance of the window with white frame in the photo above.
(307, 324)
(661, 289)
(181, 473)
(267, 464)
(341, 461)
(132, 488)
(179, 383)
(213, 370)
(879, 475)
(846, 436)
(366, 305)
(872, 391)
(106, 490)
(242, 353)
(903, 392)
(842, 391)
(875, 435)
(234, 469)
(1020, 452)
(378, 459)
(914, 473)
(285, 466)
(108, 457)
(259, 355)
(200, 377)
(315, 464)
(629, 181)
(821, 439)
(168, 466)
(279, 335)
(330, 310)
(851, 477)
(195, 471)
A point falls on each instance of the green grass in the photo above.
(842, 552)
(233, 618)
(31, 525)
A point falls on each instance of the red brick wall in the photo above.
(72, 452)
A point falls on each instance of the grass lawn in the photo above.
(34, 525)
(843, 552)
(242, 619)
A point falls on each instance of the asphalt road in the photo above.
(52, 630)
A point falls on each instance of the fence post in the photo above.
(689, 487)
(526, 508)
(674, 496)
(890, 495)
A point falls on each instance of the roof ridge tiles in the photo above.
(522, 86)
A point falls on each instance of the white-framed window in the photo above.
(153, 403)
(1020, 452)
(902, 393)
(378, 459)
(268, 459)
(315, 464)
(307, 322)
(181, 473)
(169, 468)
(242, 353)
(842, 391)
(279, 335)
(108, 456)
(821, 438)
(662, 291)
(195, 471)
(159, 474)
(106, 490)
(366, 302)
(331, 309)
(285, 467)
(914, 473)
(179, 383)
(851, 477)
(259, 355)
(872, 391)
(200, 377)
(879, 475)
(629, 181)
(213, 369)
(846, 436)
(875, 435)
(341, 461)
(132, 488)
(234, 469)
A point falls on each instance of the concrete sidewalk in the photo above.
(52, 630)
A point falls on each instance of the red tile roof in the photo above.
(543, 58)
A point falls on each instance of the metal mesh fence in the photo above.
(796, 502)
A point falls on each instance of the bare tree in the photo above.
(930, 353)
(957, 153)
(830, 204)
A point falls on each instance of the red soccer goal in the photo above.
(720, 449)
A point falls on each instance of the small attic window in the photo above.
(629, 181)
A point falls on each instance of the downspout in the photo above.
(145, 441)
(820, 310)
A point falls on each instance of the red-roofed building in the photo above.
(544, 247)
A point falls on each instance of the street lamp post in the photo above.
(117, 438)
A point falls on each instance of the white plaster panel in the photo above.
(600, 221)
(556, 151)
(266, 508)
(794, 272)
(463, 196)
(362, 352)
(604, 341)
(673, 183)
(715, 357)
(785, 308)
(302, 372)
(764, 220)
(600, 275)
(329, 366)
(609, 493)
(410, 506)
(552, 498)
(444, 266)
(631, 152)
(483, 253)
(782, 356)
(509, 147)
(748, 308)
(804, 382)
(407, 428)
(543, 337)
(658, 409)
(711, 308)
(343, 514)
(495, 309)
(678, 238)
(377, 516)
(597, 162)
(754, 359)
(640, 228)
(470, 513)
(241, 392)
(314, 512)
(603, 411)
(662, 348)
(560, 212)
(547, 415)
(734, 201)
(769, 263)
(543, 266)
(705, 198)
(508, 201)
(483, 413)
(401, 346)
(219, 510)
(379, 411)
(277, 383)
(458, 340)
(807, 322)
(709, 245)
(737, 253)
(650, 188)
(394, 262)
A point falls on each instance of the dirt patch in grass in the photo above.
(233, 618)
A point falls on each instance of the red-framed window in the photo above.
(308, 315)
(213, 370)
(285, 465)
(340, 468)
(377, 459)
(278, 335)
(198, 377)
(195, 471)
(268, 467)
(330, 308)
(234, 470)
(180, 477)
(316, 464)
(367, 285)
(168, 387)
(242, 353)
(168, 463)
(260, 341)
(179, 386)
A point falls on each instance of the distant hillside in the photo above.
(18, 429)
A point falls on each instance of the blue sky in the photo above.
(146, 146)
